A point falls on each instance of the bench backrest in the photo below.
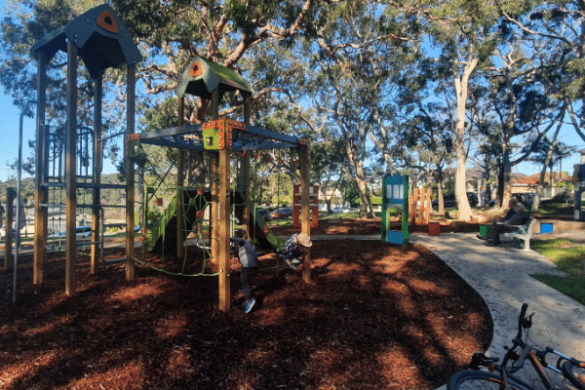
(531, 225)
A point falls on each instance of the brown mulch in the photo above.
(374, 316)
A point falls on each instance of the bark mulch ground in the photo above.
(374, 317)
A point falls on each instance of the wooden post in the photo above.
(246, 172)
(224, 230)
(130, 112)
(97, 172)
(414, 202)
(8, 256)
(428, 205)
(306, 220)
(180, 182)
(71, 172)
(421, 207)
(213, 161)
(41, 194)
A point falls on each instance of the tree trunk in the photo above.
(506, 184)
(365, 204)
(440, 194)
(549, 153)
(461, 90)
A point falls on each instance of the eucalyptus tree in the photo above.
(555, 28)
(350, 68)
(169, 34)
(464, 32)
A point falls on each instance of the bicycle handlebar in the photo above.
(521, 320)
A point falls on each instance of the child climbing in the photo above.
(249, 260)
(295, 248)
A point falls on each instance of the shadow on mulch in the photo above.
(374, 316)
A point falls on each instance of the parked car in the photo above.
(80, 231)
(282, 213)
(451, 202)
(263, 213)
(138, 228)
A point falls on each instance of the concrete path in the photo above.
(501, 275)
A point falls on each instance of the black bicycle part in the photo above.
(479, 359)
(574, 372)
(470, 379)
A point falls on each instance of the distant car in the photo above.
(3, 232)
(264, 214)
(282, 213)
(138, 228)
(450, 201)
(80, 231)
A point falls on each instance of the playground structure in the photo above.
(419, 206)
(395, 201)
(314, 204)
(101, 40)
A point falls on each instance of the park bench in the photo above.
(524, 234)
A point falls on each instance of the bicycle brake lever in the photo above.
(527, 322)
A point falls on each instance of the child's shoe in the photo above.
(249, 305)
(288, 262)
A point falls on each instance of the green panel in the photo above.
(211, 139)
(134, 148)
(484, 229)
(161, 224)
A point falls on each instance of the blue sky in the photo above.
(9, 124)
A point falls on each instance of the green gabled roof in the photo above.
(101, 39)
(202, 77)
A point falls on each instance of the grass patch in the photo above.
(556, 209)
(571, 286)
(566, 255)
(571, 259)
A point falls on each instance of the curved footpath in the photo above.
(501, 275)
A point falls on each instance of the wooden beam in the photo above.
(213, 162)
(97, 172)
(41, 194)
(246, 172)
(305, 212)
(130, 179)
(428, 205)
(71, 172)
(224, 230)
(8, 255)
(414, 202)
(180, 183)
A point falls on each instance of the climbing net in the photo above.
(160, 213)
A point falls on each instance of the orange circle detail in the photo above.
(196, 69)
(242, 154)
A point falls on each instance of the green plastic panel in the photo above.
(211, 139)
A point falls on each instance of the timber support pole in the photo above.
(130, 112)
(97, 171)
(41, 168)
(71, 172)
(306, 219)
(180, 182)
